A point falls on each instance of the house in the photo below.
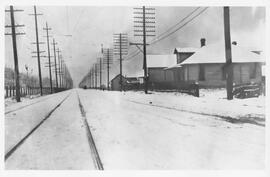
(183, 53)
(129, 83)
(207, 66)
(156, 65)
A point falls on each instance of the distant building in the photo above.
(129, 83)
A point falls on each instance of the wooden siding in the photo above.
(214, 72)
(156, 74)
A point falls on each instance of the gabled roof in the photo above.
(185, 50)
(215, 53)
(132, 80)
(138, 74)
(160, 61)
(118, 75)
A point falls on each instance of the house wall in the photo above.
(115, 83)
(169, 77)
(156, 74)
(214, 73)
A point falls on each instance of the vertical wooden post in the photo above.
(228, 54)
(38, 52)
(17, 76)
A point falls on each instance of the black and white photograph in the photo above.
(134, 87)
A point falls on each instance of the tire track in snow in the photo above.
(95, 154)
(16, 146)
(220, 117)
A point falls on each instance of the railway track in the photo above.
(13, 110)
(95, 155)
(18, 144)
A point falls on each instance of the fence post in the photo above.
(13, 90)
(6, 92)
(9, 88)
(197, 93)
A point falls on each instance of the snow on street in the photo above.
(131, 133)
(137, 136)
(59, 144)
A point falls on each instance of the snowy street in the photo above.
(134, 131)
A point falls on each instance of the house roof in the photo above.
(160, 61)
(138, 74)
(216, 54)
(132, 80)
(185, 50)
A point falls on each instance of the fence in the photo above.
(189, 87)
(10, 91)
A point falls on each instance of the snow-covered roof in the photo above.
(216, 54)
(137, 74)
(160, 61)
(185, 49)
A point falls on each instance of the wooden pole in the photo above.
(17, 76)
(38, 53)
(228, 54)
(144, 54)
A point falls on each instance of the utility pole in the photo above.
(49, 55)
(100, 73)
(55, 66)
(96, 75)
(38, 52)
(93, 78)
(15, 54)
(143, 14)
(228, 54)
(108, 69)
(59, 66)
(120, 48)
(108, 59)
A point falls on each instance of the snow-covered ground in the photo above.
(59, 144)
(210, 102)
(132, 130)
(129, 135)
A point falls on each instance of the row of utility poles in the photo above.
(60, 68)
(144, 24)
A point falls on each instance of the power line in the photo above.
(180, 26)
(165, 36)
(187, 16)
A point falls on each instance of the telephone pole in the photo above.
(15, 54)
(38, 52)
(108, 69)
(49, 55)
(55, 66)
(59, 67)
(100, 73)
(108, 59)
(95, 75)
(228, 54)
(140, 22)
(120, 48)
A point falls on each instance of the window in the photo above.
(201, 72)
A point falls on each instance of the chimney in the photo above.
(203, 42)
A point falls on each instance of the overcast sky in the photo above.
(92, 26)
